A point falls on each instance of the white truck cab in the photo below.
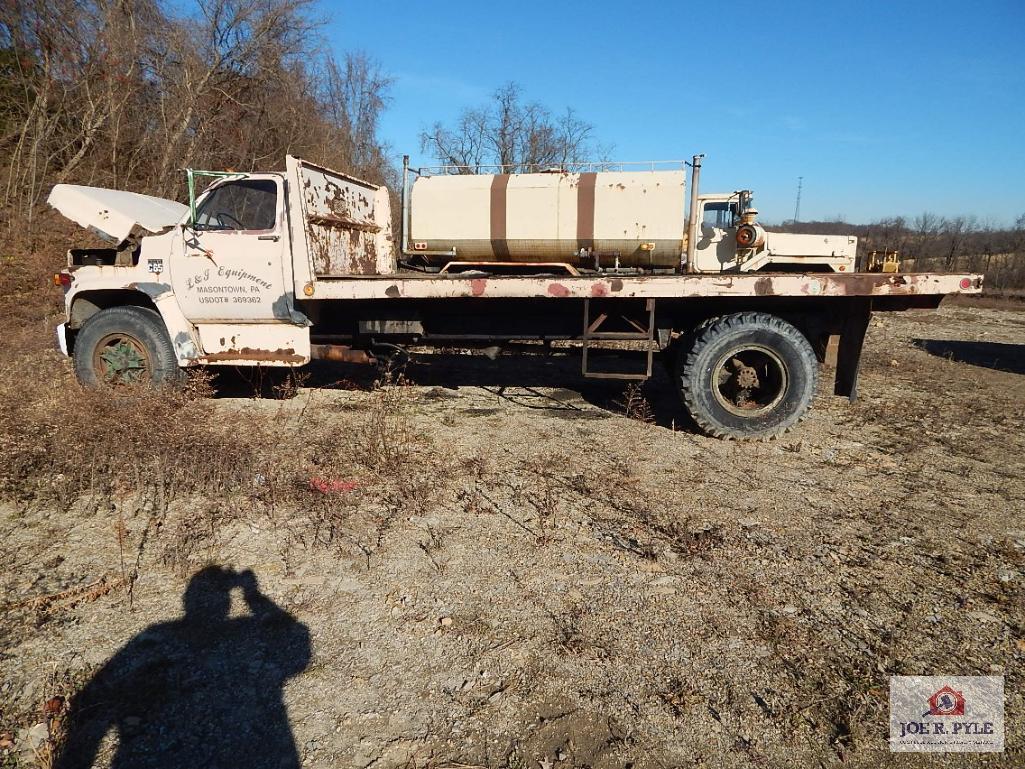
(222, 272)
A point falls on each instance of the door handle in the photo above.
(275, 238)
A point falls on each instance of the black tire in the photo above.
(123, 346)
(746, 376)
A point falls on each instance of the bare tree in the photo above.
(926, 225)
(125, 93)
(355, 95)
(511, 133)
(955, 231)
(892, 234)
(239, 43)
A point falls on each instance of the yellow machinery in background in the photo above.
(882, 261)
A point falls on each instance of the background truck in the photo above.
(276, 269)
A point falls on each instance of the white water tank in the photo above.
(584, 219)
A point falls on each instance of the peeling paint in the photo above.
(763, 287)
(152, 290)
(184, 347)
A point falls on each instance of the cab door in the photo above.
(233, 268)
(716, 248)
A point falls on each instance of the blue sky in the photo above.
(884, 108)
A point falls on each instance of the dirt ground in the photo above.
(555, 584)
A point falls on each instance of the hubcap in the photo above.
(121, 359)
(749, 381)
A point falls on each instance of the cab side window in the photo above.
(718, 215)
(248, 204)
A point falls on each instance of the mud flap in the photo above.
(62, 339)
(848, 354)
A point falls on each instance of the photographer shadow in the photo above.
(203, 690)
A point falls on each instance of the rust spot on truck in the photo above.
(616, 284)
(478, 285)
(599, 289)
(557, 289)
(868, 284)
(284, 355)
(764, 287)
(343, 223)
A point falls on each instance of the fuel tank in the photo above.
(592, 220)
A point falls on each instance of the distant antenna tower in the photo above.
(797, 205)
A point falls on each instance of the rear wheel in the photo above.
(124, 346)
(750, 375)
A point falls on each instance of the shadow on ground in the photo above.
(202, 690)
(536, 381)
(995, 355)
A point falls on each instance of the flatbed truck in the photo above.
(278, 269)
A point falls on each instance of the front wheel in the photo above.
(749, 375)
(123, 346)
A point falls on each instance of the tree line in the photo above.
(929, 242)
(125, 93)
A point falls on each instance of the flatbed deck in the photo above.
(474, 285)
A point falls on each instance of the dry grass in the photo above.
(187, 464)
(61, 440)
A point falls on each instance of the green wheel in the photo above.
(125, 346)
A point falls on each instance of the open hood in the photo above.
(113, 214)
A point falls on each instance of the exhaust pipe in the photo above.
(692, 222)
(340, 353)
(404, 223)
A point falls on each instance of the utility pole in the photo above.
(797, 206)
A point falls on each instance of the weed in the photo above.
(543, 494)
(289, 385)
(635, 405)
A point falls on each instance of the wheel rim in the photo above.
(750, 381)
(120, 359)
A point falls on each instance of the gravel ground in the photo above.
(555, 584)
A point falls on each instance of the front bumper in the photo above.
(62, 338)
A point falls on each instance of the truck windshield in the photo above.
(248, 204)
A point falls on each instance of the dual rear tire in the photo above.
(750, 375)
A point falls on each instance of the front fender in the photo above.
(97, 288)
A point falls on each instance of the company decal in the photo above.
(227, 285)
